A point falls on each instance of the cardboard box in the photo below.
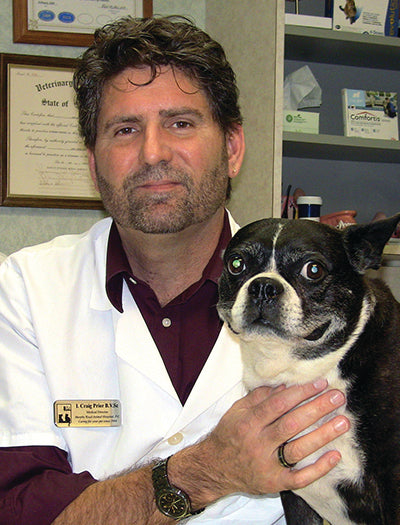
(375, 17)
(370, 114)
(300, 121)
(308, 21)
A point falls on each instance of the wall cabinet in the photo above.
(350, 49)
(350, 173)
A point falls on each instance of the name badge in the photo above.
(87, 413)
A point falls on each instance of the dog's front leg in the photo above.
(297, 511)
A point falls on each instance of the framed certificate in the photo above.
(70, 22)
(43, 158)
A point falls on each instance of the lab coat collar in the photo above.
(134, 344)
(222, 371)
(98, 298)
(101, 232)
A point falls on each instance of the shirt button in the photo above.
(175, 439)
(166, 322)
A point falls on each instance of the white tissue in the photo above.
(301, 90)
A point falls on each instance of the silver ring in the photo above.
(281, 457)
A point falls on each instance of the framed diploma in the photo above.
(70, 22)
(43, 158)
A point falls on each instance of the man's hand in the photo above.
(240, 455)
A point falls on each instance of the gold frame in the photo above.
(24, 35)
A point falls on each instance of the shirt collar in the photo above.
(118, 268)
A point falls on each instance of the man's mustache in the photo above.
(159, 172)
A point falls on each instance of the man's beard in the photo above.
(168, 212)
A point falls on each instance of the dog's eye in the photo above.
(236, 265)
(313, 270)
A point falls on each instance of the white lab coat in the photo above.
(61, 339)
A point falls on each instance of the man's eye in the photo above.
(126, 131)
(313, 271)
(181, 124)
(236, 265)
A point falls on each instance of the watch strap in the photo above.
(161, 483)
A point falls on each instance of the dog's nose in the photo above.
(265, 289)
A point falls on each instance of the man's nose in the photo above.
(155, 146)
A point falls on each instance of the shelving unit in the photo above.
(324, 46)
(336, 47)
(331, 146)
(339, 47)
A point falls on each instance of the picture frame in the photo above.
(77, 28)
(43, 160)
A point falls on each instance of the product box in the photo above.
(308, 21)
(300, 121)
(370, 114)
(375, 17)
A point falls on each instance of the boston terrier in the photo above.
(296, 294)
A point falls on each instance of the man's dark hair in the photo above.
(155, 42)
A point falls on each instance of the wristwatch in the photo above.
(170, 500)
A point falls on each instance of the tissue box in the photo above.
(376, 17)
(300, 121)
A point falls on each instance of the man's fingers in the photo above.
(306, 415)
(269, 404)
(297, 479)
(302, 447)
(244, 445)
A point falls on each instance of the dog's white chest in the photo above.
(322, 495)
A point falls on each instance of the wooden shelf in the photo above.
(334, 147)
(339, 47)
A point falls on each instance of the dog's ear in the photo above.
(364, 243)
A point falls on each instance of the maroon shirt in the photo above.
(37, 482)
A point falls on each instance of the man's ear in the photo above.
(92, 167)
(235, 146)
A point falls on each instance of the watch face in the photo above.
(173, 503)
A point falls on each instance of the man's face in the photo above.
(161, 162)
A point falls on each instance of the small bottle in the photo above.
(309, 207)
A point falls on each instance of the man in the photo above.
(124, 316)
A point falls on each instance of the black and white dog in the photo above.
(295, 293)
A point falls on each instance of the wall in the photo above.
(25, 226)
(252, 36)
